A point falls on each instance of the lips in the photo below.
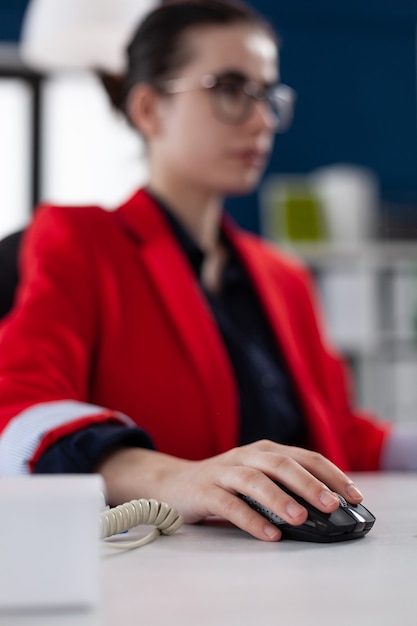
(252, 156)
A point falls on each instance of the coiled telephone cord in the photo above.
(121, 518)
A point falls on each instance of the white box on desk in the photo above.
(49, 541)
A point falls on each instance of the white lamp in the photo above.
(80, 34)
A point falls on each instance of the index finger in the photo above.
(328, 473)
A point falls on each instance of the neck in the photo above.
(199, 212)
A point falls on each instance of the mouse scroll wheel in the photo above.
(342, 500)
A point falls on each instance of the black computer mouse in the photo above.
(349, 521)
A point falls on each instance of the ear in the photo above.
(143, 110)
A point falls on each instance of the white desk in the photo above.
(215, 575)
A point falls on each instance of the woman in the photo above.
(160, 345)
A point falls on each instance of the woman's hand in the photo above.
(198, 489)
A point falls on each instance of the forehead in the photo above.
(244, 48)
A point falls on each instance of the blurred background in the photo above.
(341, 188)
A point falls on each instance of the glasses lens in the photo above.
(230, 101)
(234, 96)
(282, 100)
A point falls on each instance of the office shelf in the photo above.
(368, 294)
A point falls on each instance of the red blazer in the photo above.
(109, 314)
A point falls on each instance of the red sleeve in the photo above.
(48, 340)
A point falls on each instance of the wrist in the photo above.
(133, 473)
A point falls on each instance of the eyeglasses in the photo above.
(233, 97)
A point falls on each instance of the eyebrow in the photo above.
(236, 74)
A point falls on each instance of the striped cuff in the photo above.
(23, 436)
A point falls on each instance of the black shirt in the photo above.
(268, 404)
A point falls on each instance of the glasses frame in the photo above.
(280, 97)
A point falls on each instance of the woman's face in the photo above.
(194, 144)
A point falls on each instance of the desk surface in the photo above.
(216, 575)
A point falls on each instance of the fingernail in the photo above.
(270, 531)
(354, 492)
(327, 498)
(294, 510)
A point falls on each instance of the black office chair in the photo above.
(9, 274)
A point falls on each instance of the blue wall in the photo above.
(11, 12)
(353, 65)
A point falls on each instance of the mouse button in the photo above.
(342, 519)
(363, 511)
(365, 515)
(356, 515)
(364, 518)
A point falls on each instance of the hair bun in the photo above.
(114, 87)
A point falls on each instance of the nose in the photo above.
(264, 116)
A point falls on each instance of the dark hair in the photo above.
(157, 51)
